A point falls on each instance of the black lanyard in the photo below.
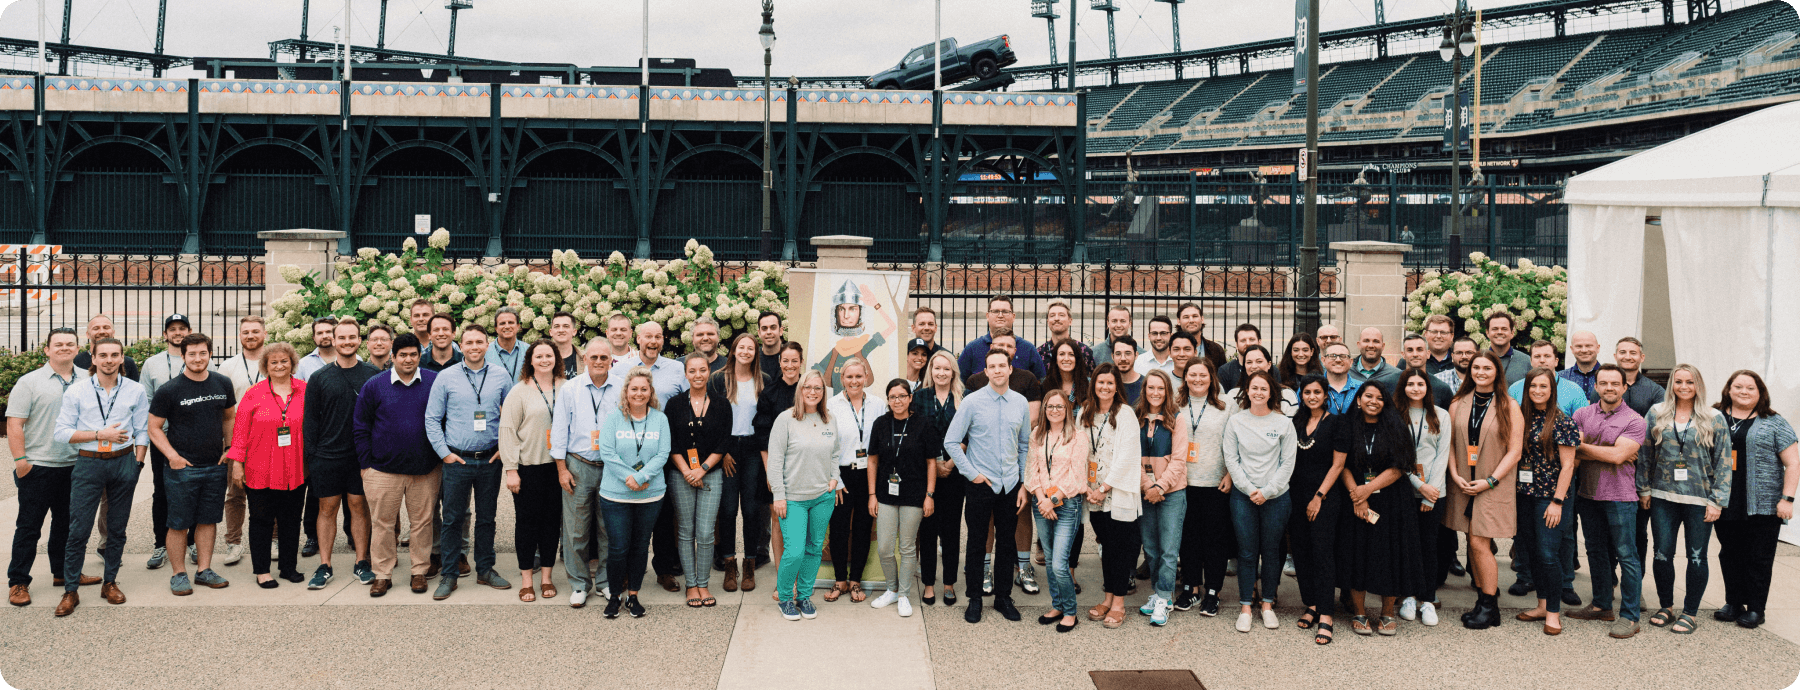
(65, 384)
(595, 402)
(1194, 429)
(540, 390)
(471, 379)
(1737, 423)
(500, 356)
(106, 407)
(900, 436)
(1049, 451)
(637, 436)
(1096, 432)
(861, 434)
(1417, 430)
(253, 376)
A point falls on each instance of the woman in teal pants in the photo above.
(803, 452)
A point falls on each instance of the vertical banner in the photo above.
(1300, 46)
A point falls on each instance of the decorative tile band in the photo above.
(166, 86)
(412, 89)
(18, 83)
(267, 87)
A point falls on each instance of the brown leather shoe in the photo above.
(69, 600)
(420, 583)
(749, 581)
(731, 576)
(437, 564)
(85, 580)
(668, 583)
(380, 587)
(19, 595)
(462, 566)
(112, 594)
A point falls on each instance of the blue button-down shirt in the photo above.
(126, 406)
(581, 412)
(1585, 380)
(1569, 396)
(1338, 401)
(509, 360)
(450, 414)
(998, 435)
(665, 374)
(309, 364)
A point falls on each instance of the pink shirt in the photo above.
(255, 438)
(1067, 467)
(1603, 481)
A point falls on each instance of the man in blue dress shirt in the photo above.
(992, 421)
(462, 420)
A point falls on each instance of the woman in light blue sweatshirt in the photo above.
(634, 446)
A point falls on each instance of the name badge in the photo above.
(693, 458)
(594, 440)
(1193, 452)
(1681, 474)
(283, 436)
(547, 440)
(1054, 496)
(638, 466)
(481, 421)
(1734, 459)
(1525, 476)
(862, 459)
(1093, 472)
(106, 447)
(1474, 454)
(894, 483)
(1368, 479)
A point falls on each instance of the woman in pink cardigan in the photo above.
(1056, 477)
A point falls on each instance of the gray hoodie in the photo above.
(802, 457)
(1259, 453)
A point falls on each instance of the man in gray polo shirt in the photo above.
(41, 464)
(158, 370)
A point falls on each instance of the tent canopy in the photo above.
(1753, 160)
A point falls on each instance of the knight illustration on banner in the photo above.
(854, 335)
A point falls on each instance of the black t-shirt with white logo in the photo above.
(196, 414)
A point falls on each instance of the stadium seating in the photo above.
(1502, 75)
(1149, 100)
(1348, 78)
(1424, 73)
(1254, 99)
(1211, 94)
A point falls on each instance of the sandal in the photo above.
(710, 602)
(549, 590)
(837, 590)
(1306, 623)
(1684, 624)
(1323, 637)
(1389, 627)
(1359, 625)
(857, 594)
(527, 595)
(1097, 612)
(1662, 617)
(1114, 619)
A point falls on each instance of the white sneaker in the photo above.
(577, 598)
(606, 592)
(234, 554)
(1287, 567)
(1427, 614)
(887, 598)
(1243, 622)
(1269, 620)
(1409, 609)
(905, 607)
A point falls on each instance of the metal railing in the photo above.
(43, 292)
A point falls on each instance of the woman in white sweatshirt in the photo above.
(1113, 498)
(1260, 444)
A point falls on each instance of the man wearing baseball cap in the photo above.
(159, 369)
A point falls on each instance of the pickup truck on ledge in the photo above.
(981, 60)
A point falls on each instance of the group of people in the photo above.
(1326, 463)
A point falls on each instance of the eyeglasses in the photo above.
(1336, 356)
(999, 311)
(1437, 332)
(900, 397)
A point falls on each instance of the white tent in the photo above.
(1716, 282)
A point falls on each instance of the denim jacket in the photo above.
(1708, 470)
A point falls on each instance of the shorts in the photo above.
(196, 495)
(334, 478)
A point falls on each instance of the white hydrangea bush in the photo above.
(379, 288)
(1536, 296)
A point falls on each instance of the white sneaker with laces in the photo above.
(577, 598)
(1269, 619)
(1287, 567)
(606, 592)
(1409, 609)
(234, 554)
(1428, 614)
(1243, 622)
(885, 599)
(905, 607)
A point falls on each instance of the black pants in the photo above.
(1314, 545)
(537, 510)
(1207, 538)
(1747, 559)
(981, 505)
(665, 554)
(271, 509)
(943, 528)
(740, 497)
(42, 491)
(1643, 537)
(1119, 545)
(1431, 540)
(1446, 548)
(159, 499)
(850, 525)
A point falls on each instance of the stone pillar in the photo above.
(1374, 286)
(314, 251)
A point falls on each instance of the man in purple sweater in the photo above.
(398, 464)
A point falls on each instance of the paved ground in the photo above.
(245, 637)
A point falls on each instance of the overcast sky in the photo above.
(816, 37)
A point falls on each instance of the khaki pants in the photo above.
(385, 492)
(235, 508)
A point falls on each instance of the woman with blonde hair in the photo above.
(1686, 480)
(740, 385)
(850, 519)
(936, 400)
(266, 461)
(634, 447)
(803, 475)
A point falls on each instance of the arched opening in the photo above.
(263, 187)
(420, 180)
(569, 199)
(868, 194)
(117, 198)
(713, 196)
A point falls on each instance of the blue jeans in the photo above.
(1665, 517)
(1259, 530)
(1541, 547)
(802, 545)
(628, 554)
(1057, 537)
(116, 479)
(482, 477)
(578, 509)
(1610, 528)
(696, 517)
(1160, 526)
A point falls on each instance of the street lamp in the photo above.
(1459, 42)
(767, 35)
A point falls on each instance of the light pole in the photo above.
(767, 35)
(1306, 318)
(455, 6)
(1458, 43)
(1046, 10)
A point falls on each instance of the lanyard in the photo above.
(471, 378)
(595, 402)
(1095, 433)
(500, 356)
(1050, 446)
(1418, 430)
(540, 390)
(1478, 410)
(65, 384)
(1369, 446)
(636, 435)
(250, 374)
(900, 436)
(1736, 423)
(106, 407)
(285, 402)
(861, 433)
(1194, 429)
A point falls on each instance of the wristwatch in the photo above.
(931, 494)
(1320, 495)
(1786, 498)
(1556, 500)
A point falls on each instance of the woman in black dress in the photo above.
(1317, 523)
(1384, 552)
(777, 398)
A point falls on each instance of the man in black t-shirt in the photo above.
(333, 473)
(199, 407)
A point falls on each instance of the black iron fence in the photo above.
(44, 291)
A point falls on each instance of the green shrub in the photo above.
(14, 364)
